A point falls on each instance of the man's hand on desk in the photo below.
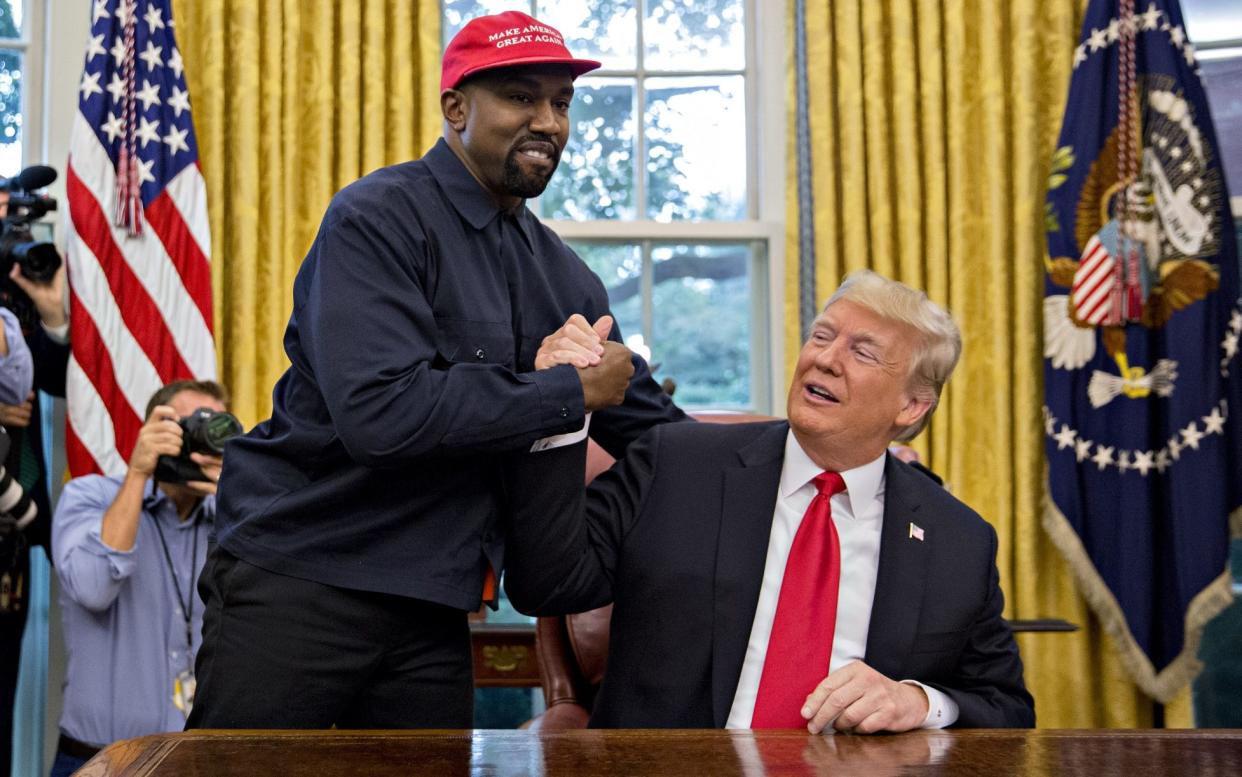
(859, 699)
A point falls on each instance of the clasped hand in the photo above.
(604, 367)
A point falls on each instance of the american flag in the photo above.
(138, 242)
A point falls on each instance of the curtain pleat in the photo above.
(294, 99)
(931, 127)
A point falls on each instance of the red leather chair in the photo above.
(572, 650)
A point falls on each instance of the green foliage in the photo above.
(1051, 222)
(10, 96)
(702, 337)
(8, 26)
(596, 176)
(1062, 160)
(10, 79)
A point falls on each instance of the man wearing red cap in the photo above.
(359, 525)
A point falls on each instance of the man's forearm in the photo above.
(120, 520)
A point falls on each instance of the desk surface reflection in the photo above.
(657, 753)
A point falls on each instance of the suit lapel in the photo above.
(901, 576)
(748, 499)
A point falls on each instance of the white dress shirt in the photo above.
(858, 514)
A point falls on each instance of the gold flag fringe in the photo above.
(1205, 606)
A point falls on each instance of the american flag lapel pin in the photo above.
(916, 532)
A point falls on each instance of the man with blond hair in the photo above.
(786, 574)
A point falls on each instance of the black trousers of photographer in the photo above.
(15, 562)
(282, 652)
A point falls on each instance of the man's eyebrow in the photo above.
(531, 83)
(869, 338)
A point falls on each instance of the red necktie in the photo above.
(806, 615)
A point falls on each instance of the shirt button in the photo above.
(564, 412)
(479, 354)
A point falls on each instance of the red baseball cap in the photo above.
(505, 40)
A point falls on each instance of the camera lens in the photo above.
(39, 261)
(219, 428)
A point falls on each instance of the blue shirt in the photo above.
(417, 315)
(16, 368)
(125, 631)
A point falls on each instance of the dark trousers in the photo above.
(16, 562)
(282, 652)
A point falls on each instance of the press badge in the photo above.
(183, 691)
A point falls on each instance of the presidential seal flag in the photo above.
(138, 242)
(1142, 320)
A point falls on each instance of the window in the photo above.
(1215, 26)
(659, 189)
(12, 85)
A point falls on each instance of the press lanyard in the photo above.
(188, 609)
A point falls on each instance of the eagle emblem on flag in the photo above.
(1147, 239)
(1142, 320)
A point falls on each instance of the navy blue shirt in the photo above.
(417, 315)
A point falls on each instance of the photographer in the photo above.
(128, 552)
(33, 311)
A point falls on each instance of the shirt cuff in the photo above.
(561, 440)
(560, 398)
(942, 711)
(121, 563)
(59, 334)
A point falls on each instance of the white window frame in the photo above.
(34, 86)
(765, 223)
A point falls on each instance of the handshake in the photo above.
(604, 367)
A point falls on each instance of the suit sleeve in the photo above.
(370, 337)
(989, 689)
(564, 546)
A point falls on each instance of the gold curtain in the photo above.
(931, 129)
(292, 100)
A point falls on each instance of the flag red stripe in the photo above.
(80, 460)
(138, 310)
(1098, 310)
(92, 355)
(184, 252)
(1090, 296)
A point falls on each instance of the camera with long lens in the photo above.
(203, 431)
(37, 259)
(17, 510)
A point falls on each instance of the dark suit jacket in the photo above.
(676, 535)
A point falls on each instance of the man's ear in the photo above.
(916, 406)
(454, 105)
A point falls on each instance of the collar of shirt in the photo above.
(474, 204)
(863, 485)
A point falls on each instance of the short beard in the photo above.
(520, 184)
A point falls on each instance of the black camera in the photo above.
(17, 510)
(38, 260)
(203, 431)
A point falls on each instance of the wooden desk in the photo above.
(671, 753)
